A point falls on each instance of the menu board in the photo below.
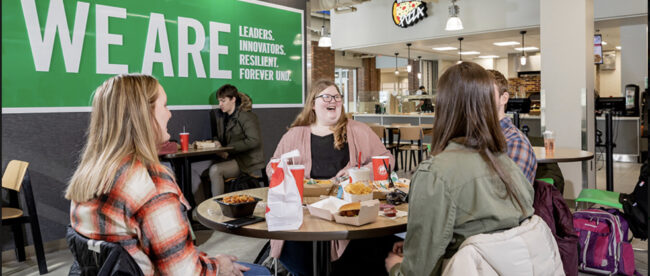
(56, 52)
(598, 49)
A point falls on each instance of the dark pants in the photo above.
(255, 270)
(361, 257)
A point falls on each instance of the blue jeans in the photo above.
(255, 270)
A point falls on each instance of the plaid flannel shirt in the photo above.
(146, 213)
(519, 149)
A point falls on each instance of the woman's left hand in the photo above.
(342, 173)
(392, 260)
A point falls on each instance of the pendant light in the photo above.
(408, 66)
(325, 40)
(522, 60)
(460, 49)
(454, 23)
(420, 67)
(396, 71)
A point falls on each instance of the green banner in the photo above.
(56, 52)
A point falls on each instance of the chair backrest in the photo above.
(410, 133)
(14, 173)
(399, 125)
(94, 257)
(379, 130)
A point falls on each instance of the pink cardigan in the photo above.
(360, 139)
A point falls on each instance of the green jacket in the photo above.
(453, 196)
(242, 132)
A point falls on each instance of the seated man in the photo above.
(519, 148)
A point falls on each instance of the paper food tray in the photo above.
(326, 208)
(368, 213)
(314, 190)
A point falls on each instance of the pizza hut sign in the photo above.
(406, 13)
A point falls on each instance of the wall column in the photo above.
(634, 56)
(567, 96)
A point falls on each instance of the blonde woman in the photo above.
(329, 144)
(121, 193)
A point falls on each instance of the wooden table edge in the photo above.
(303, 236)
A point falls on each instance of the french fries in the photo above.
(236, 199)
(358, 188)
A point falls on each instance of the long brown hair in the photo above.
(122, 124)
(307, 116)
(466, 112)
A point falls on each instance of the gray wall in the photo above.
(51, 142)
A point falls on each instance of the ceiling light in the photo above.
(408, 60)
(325, 40)
(618, 48)
(460, 49)
(527, 49)
(506, 43)
(522, 60)
(453, 23)
(469, 53)
(446, 48)
(396, 71)
(420, 67)
(488, 56)
(603, 42)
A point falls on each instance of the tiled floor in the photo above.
(625, 176)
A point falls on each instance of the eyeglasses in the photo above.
(328, 98)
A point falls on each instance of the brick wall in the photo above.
(531, 83)
(322, 63)
(414, 83)
(368, 78)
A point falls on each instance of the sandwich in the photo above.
(350, 209)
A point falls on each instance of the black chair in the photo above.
(14, 178)
(94, 257)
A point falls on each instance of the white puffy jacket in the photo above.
(528, 249)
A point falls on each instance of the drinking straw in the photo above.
(183, 129)
(359, 161)
(390, 180)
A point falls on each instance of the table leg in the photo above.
(322, 258)
(187, 182)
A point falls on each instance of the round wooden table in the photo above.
(318, 230)
(562, 155)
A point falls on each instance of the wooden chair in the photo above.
(393, 145)
(14, 178)
(413, 134)
(380, 131)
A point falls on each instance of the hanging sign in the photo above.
(407, 13)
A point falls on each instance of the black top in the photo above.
(326, 161)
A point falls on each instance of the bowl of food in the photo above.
(237, 206)
(357, 191)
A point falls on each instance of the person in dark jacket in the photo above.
(237, 128)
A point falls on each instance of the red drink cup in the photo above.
(379, 169)
(298, 172)
(185, 140)
(274, 164)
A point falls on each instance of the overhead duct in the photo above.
(320, 5)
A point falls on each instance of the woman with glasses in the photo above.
(329, 144)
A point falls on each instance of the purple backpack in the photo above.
(603, 243)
